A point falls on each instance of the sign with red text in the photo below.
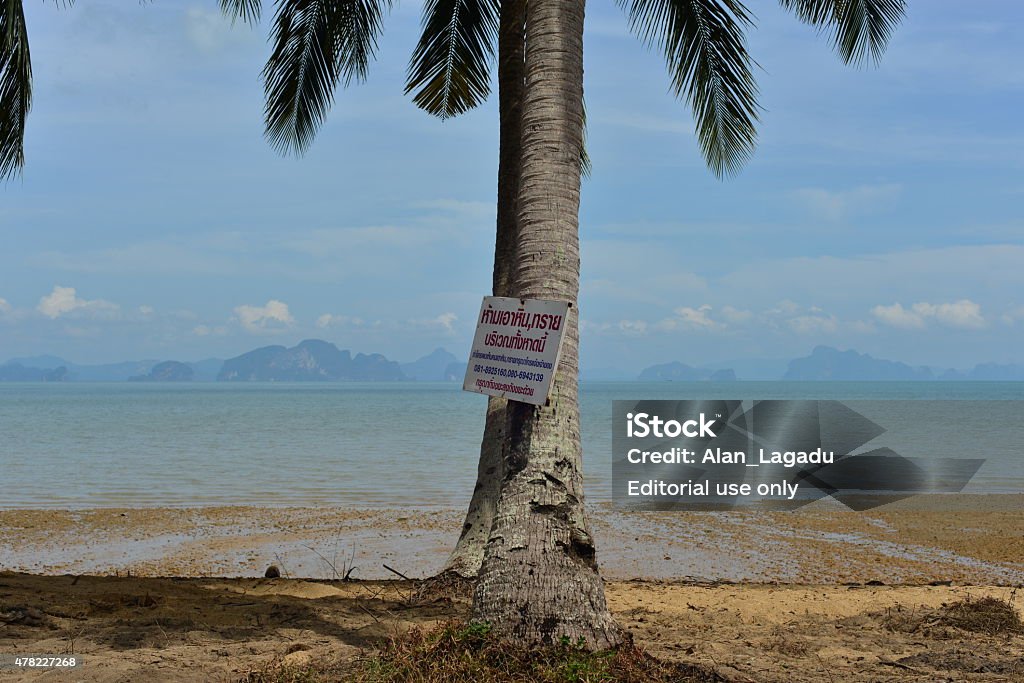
(516, 348)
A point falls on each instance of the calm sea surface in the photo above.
(416, 444)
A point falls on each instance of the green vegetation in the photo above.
(457, 652)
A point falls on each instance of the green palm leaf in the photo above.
(247, 10)
(317, 44)
(705, 47)
(15, 87)
(450, 67)
(861, 27)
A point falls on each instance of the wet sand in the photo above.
(963, 539)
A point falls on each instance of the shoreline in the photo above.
(962, 538)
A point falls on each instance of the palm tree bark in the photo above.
(465, 560)
(539, 580)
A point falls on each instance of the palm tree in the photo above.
(538, 580)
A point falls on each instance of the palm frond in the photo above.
(317, 45)
(704, 43)
(247, 10)
(15, 87)
(450, 67)
(861, 28)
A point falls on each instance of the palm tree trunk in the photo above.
(465, 560)
(539, 580)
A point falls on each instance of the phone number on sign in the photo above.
(509, 373)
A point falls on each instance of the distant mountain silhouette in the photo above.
(430, 368)
(168, 371)
(45, 362)
(455, 372)
(312, 360)
(16, 372)
(320, 361)
(827, 363)
(754, 369)
(681, 372)
(110, 372)
(206, 370)
(987, 372)
(203, 371)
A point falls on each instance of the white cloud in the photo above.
(735, 315)
(64, 301)
(783, 308)
(146, 310)
(803, 320)
(270, 318)
(863, 327)
(837, 205)
(1013, 315)
(330, 320)
(446, 320)
(814, 324)
(634, 327)
(690, 318)
(5, 307)
(962, 314)
(897, 316)
(630, 328)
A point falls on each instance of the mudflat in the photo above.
(966, 539)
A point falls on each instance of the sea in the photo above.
(409, 444)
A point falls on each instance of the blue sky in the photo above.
(881, 211)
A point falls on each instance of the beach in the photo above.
(207, 629)
(966, 539)
(823, 593)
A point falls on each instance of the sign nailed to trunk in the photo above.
(516, 348)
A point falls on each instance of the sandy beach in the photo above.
(822, 594)
(177, 629)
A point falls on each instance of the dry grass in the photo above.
(784, 643)
(444, 587)
(987, 615)
(319, 672)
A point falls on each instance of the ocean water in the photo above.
(375, 444)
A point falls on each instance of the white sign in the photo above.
(516, 348)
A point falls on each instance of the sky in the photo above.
(880, 212)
